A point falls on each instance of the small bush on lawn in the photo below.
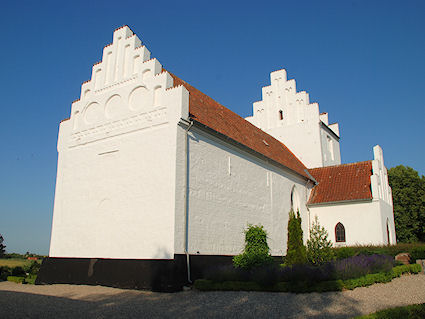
(319, 247)
(256, 252)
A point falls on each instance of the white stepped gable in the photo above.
(282, 95)
(289, 116)
(379, 180)
(127, 91)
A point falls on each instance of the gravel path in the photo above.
(73, 301)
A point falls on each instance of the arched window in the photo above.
(388, 233)
(339, 233)
(295, 200)
(281, 115)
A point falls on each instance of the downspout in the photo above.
(313, 181)
(189, 124)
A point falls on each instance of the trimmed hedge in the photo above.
(23, 280)
(416, 250)
(406, 312)
(17, 279)
(304, 286)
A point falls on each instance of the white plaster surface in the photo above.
(225, 198)
(115, 189)
(362, 221)
(300, 128)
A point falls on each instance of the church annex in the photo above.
(156, 180)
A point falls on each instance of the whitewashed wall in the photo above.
(300, 128)
(331, 154)
(366, 221)
(115, 188)
(230, 189)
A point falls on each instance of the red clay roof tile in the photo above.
(212, 114)
(341, 183)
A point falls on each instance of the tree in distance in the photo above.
(409, 203)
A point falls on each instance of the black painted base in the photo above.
(166, 275)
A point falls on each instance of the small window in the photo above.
(340, 233)
(281, 115)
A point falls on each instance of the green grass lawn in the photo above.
(407, 312)
(14, 262)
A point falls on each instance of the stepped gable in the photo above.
(205, 110)
(339, 183)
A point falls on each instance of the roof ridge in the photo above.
(241, 132)
(339, 165)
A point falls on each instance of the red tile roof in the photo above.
(341, 183)
(212, 114)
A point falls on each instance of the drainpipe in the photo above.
(189, 124)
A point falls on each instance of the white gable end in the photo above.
(289, 116)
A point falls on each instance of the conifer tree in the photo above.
(2, 247)
(296, 251)
(319, 247)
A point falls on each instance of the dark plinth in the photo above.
(166, 275)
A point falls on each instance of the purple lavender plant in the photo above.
(357, 266)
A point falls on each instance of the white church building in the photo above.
(156, 180)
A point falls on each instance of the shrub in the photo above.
(306, 286)
(296, 251)
(34, 268)
(319, 248)
(361, 265)
(266, 275)
(5, 272)
(417, 253)
(256, 252)
(17, 279)
(18, 271)
(227, 273)
(416, 250)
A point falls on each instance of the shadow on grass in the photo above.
(192, 304)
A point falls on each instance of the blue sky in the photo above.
(362, 61)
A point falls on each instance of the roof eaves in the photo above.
(350, 201)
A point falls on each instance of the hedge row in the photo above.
(406, 312)
(416, 250)
(304, 286)
(23, 280)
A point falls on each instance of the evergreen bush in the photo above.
(319, 247)
(296, 251)
(256, 252)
